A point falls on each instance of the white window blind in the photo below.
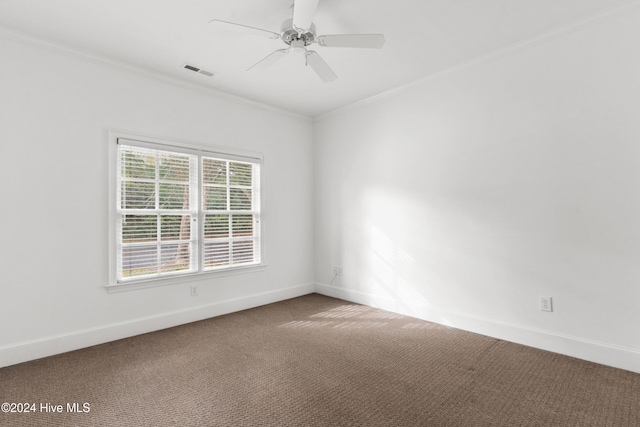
(184, 211)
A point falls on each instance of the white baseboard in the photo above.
(593, 351)
(49, 346)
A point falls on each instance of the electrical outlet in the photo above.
(546, 304)
(194, 291)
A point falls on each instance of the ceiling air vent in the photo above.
(197, 70)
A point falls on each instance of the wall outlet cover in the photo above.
(546, 304)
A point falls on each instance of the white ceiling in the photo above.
(423, 37)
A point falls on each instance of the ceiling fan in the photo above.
(299, 33)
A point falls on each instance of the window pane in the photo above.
(242, 225)
(139, 260)
(240, 174)
(175, 257)
(139, 228)
(173, 167)
(137, 164)
(243, 251)
(138, 195)
(240, 199)
(216, 226)
(174, 196)
(214, 171)
(215, 198)
(175, 227)
(216, 254)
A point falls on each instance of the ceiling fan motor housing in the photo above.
(291, 36)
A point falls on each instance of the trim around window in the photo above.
(181, 212)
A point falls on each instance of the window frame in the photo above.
(189, 148)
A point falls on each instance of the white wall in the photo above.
(466, 197)
(56, 110)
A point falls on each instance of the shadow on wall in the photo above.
(385, 256)
(410, 258)
(388, 286)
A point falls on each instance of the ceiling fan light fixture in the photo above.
(298, 47)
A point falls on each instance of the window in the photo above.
(182, 211)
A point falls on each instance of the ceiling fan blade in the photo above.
(303, 11)
(320, 67)
(370, 41)
(269, 60)
(232, 26)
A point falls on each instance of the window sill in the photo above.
(187, 278)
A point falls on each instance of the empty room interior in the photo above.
(319, 183)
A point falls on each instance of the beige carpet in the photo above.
(318, 361)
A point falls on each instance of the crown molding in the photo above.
(566, 30)
(31, 40)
